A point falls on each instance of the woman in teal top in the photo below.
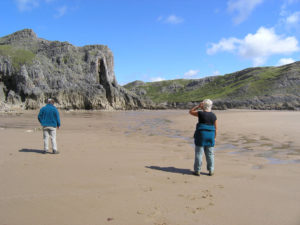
(205, 135)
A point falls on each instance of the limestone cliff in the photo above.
(33, 69)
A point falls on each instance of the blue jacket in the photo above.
(204, 135)
(49, 116)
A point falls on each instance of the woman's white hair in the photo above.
(207, 105)
(50, 101)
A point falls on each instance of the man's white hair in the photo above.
(50, 101)
(207, 105)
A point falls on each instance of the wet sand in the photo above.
(135, 168)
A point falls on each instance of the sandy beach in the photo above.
(135, 168)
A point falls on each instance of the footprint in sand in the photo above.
(155, 213)
(195, 210)
(206, 194)
(139, 212)
(146, 189)
(220, 186)
(257, 167)
(205, 199)
(189, 197)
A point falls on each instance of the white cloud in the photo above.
(293, 19)
(216, 72)
(61, 11)
(285, 5)
(172, 19)
(264, 43)
(27, 5)
(258, 47)
(289, 19)
(291, 1)
(284, 61)
(224, 45)
(160, 18)
(243, 8)
(154, 79)
(191, 73)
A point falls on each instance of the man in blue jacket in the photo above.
(49, 119)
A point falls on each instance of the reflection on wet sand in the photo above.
(262, 146)
(156, 123)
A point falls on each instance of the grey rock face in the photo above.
(194, 84)
(2, 92)
(277, 102)
(172, 88)
(33, 69)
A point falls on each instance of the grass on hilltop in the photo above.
(239, 85)
(18, 56)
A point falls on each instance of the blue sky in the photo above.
(167, 39)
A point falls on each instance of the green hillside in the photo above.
(241, 85)
(19, 56)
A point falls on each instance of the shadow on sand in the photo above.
(32, 150)
(172, 169)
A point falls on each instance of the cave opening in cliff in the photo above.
(101, 71)
(9, 83)
(103, 80)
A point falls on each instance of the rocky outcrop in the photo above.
(33, 69)
(199, 83)
(286, 102)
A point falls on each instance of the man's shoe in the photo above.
(55, 152)
(211, 173)
(196, 173)
(44, 152)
